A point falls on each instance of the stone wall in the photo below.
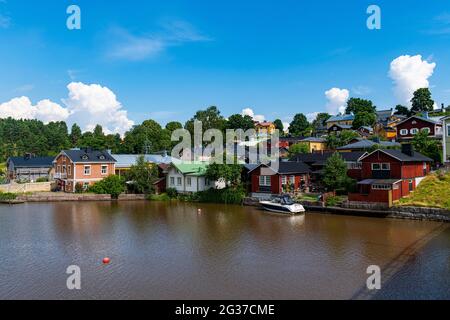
(59, 197)
(420, 213)
(132, 197)
(26, 187)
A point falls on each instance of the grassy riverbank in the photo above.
(434, 192)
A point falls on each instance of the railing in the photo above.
(60, 175)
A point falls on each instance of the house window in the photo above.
(69, 170)
(425, 169)
(283, 180)
(64, 168)
(427, 130)
(189, 181)
(178, 181)
(104, 169)
(354, 165)
(410, 185)
(172, 181)
(292, 180)
(381, 166)
(264, 181)
(403, 132)
(87, 170)
(448, 130)
(381, 186)
(414, 131)
(58, 169)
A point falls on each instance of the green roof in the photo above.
(193, 169)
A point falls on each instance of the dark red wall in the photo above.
(419, 125)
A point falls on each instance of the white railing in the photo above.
(60, 175)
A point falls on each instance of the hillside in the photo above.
(434, 191)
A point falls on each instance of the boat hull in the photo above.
(291, 209)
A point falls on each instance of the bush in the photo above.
(333, 201)
(79, 188)
(113, 185)
(227, 196)
(42, 179)
(159, 197)
(7, 196)
(172, 192)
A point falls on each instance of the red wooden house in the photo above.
(288, 175)
(408, 128)
(388, 175)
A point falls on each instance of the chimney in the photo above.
(407, 149)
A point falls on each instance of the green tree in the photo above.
(237, 121)
(210, 119)
(75, 135)
(320, 120)
(335, 174)
(402, 110)
(142, 175)
(229, 173)
(422, 101)
(341, 139)
(279, 125)
(113, 185)
(364, 118)
(174, 125)
(357, 105)
(298, 148)
(146, 138)
(300, 126)
(426, 146)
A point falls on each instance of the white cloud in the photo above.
(93, 104)
(410, 73)
(44, 110)
(139, 47)
(251, 113)
(86, 105)
(312, 116)
(337, 99)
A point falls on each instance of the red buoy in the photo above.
(106, 260)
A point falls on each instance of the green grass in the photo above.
(307, 197)
(433, 191)
(159, 197)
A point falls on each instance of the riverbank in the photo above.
(64, 197)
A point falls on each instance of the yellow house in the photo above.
(345, 119)
(315, 144)
(264, 128)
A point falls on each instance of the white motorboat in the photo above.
(283, 204)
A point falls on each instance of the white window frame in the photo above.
(381, 186)
(448, 130)
(179, 181)
(265, 181)
(404, 132)
(106, 171)
(189, 181)
(383, 166)
(172, 181)
(414, 131)
(292, 179)
(90, 170)
(354, 165)
(283, 180)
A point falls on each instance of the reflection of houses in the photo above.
(388, 175)
(126, 161)
(314, 144)
(82, 166)
(189, 177)
(317, 162)
(408, 128)
(29, 167)
(345, 120)
(278, 178)
(365, 145)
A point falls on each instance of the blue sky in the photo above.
(167, 59)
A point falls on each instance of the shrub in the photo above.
(7, 196)
(113, 185)
(42, 179)
(159, 197)
(227, 195)
(79, 188)
(172, 192)
(332, 201)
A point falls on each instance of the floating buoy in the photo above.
(106, 260)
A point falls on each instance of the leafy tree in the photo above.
(113, 185)
(237, 121)
(341, 139)
(143, 175)
(279, 125)
(364, 118)
(402, 110)
(422, 101)
(300, 126)
(75, 135)
(426, 146)
(146, 138)
(230, 173)
(335, 173)
(210, 119)
(174, 125)
(320, 120)
(298, 148)
(357, 105)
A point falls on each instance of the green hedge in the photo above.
(7, 196)
(227, 196)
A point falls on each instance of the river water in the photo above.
(164, 250)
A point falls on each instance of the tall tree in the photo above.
(237, 121)
(364, 118)
(142, 176)
(335, 173)
(279, 125)
(210, 119)
(356, 105)
(300, 126)
(402, 110)
(422, 101)
(75, 135)
(320, 120)
(426, 146)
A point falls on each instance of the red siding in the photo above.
(275, 181)
(419, 124)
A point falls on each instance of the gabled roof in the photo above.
(32, 162)
(88, 156)
(288, 167)
(342, 126)
(430, 120)
(343, 117)
(383, 115)
(403, 157)
(367, 144)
